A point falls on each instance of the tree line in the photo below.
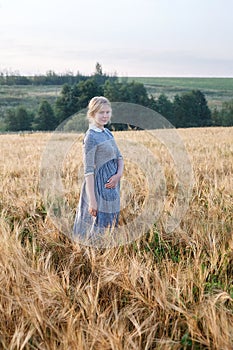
(52, 78)
(186, 110)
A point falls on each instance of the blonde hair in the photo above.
(95, 104)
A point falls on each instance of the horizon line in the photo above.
(66, 72)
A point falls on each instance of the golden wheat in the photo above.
(163, 291)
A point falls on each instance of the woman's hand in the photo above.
(113, 181)
(93, 208)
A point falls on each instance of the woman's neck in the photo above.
(98, 126)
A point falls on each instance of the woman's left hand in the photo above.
(113, 181)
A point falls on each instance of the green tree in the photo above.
(138, 93)
(76, 97)
(24, 118)
(191, 110)
(63, 105)
(98, 69)
(45, 119)
(179, 112)
(99, 76)
(18, 119)
(11, 121)
(228, 113)
(2, 78)
(216, 118)
(201, 111)
(126, 92)
(112, 91)
(165, 107)
(85, 91)
(224, 116)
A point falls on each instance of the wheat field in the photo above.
(163, 291)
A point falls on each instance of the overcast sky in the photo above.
(131, 37)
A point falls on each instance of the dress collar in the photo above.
(95, 128)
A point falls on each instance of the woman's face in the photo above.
(103, 116)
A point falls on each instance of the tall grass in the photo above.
(164, 291)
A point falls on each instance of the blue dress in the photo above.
(100, 156)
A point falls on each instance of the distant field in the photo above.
(216, 90)
(29, 96)
(192, 83)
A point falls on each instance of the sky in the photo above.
(166, 38)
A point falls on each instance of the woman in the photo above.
(99, 203)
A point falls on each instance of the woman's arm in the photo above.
(89, 150)
(91, 194)
(120, 167)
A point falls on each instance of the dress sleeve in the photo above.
(119, 155)
(89, 150)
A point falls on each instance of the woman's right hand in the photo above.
(93, 208)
